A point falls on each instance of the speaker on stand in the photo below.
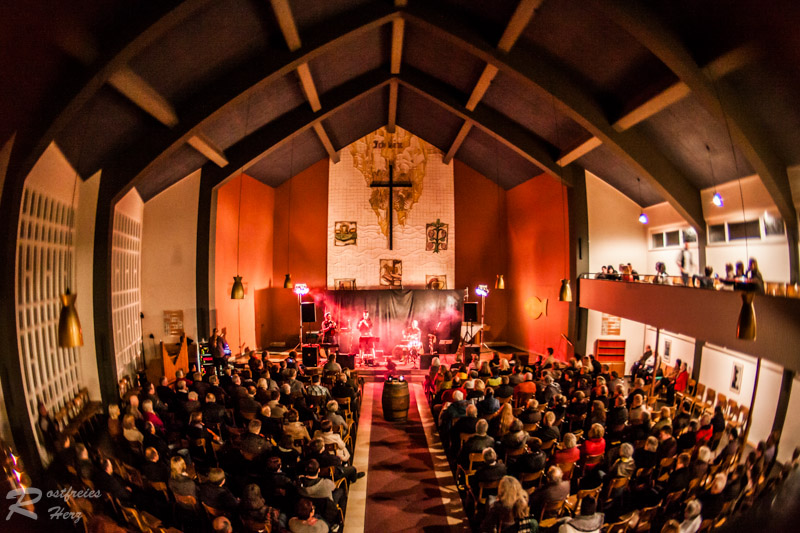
(308, 312)
(470, 312)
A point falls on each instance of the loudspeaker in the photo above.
(470, 311)
(311, 355)
(308, 312)
(347, 360)
(425, 361)
(471, 350)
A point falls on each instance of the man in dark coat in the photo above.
(215, 494)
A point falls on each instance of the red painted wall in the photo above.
(536, 264)
(255, 230)
(302, 204)
(481, 243)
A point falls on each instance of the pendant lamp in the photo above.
(70, 334)
(237, 291)
(717, 198)
(746, 325)
(642, 216)
(287, 281)
(500, 283)
(565, 292)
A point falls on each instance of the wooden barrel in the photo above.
(395, 400)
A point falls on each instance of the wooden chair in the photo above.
(255, 526)
(567, 469)
(549, 446)
(690, 387)
(671, 499)
(591, 461)
(574, 501)
(619, 527)
(741, 418)
(186, 502)
(485, 489)
(143, 521)
(697, 398)
(616, 484)
(664, 468)
(521, 399)
(530, 428)
(551, 510)
(474, 460)
(646, 517)
(160, 487)
(531, 480)
(512, 455)
(212, 512)
(706, 525)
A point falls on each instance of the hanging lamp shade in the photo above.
(746, 326)
(287, 282)
(565, 294)
(70, 334)
(237, 291)
(500, 283)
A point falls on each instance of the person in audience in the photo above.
(329, 437)
(253, 507)
(569, 452)
(311, 485)
(706, 430)
(476, 443)
(595, 444)
(154, 440)
(730, 449)
(531, 413)
(214, 414)
(179, 481)
(154, 469)
(664, 419)
(671, 526)
(646, 457)
(700, 465)
(667, 446)
(505, 389)
(713, 500)
(547, 431)
(680, 476)
(617, 416)
(501, 424)
(624, 466)
(588, 521)
(492, 468)
(129, 431)
(754, 277)
(555, 489)
(305, 520)
(510, 509)
(516, 437)
(253, 443)
(489, 405)
(83, 465)
(691, 517)
(215, 494)
(718, 424)
(107, 482)
(688, 439)
(531, 462)
(296, 430)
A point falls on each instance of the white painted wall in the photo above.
(630, 330)
(681, 346)
(772, 254)
(84, 274)
(615, 234)
(716, 370)
(169, 243)
(790, 438)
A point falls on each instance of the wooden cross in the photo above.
(391, 185)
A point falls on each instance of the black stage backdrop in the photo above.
(392, 311)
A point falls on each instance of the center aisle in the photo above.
(408, 481)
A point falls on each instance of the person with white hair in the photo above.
(700, 465)
(492, 468)
(692, 517)
(714, 499)
(555, 489)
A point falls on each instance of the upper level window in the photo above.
(673, 238)
(757, 229)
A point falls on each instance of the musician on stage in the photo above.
(365, 342)
(327, 334)
(412, 337)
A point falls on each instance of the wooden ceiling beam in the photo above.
(497, 126)
(716, 69)
(141, 93)
(457, 142)
(488, 74)
(309, 88)
(392, 120)
(583, 148)
(398, 34)
(283, 12)
(532, 68)
(203, 144)
(517, 24)
(720, 100)
(326, 141)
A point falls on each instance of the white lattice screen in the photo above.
(45, 249)
(126, 298)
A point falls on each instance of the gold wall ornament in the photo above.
(746, 325)
(237, 291)
(70, 334)
(565, 293)
(374, 153)
(500, 282)
(536, 307)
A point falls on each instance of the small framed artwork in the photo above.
(391, 272)
(345, 284)
(736, 377)
(667, 350)
(438, 283)
(345, 233)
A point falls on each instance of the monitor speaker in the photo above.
(425, 361)
(470, 311)
(470, 351)
(310, 356)
(308, 312)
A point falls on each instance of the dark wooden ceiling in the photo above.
(510, 87)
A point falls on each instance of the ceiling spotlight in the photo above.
(482, 290)
(643, 218)
(717, 199)
(300, 289)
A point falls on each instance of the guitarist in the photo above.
(328, 333)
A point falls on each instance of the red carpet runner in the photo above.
(402, 491)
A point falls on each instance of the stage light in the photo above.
(300, 289)
(402, 378)
(482, 290)
(643, 218)
(717, 199)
